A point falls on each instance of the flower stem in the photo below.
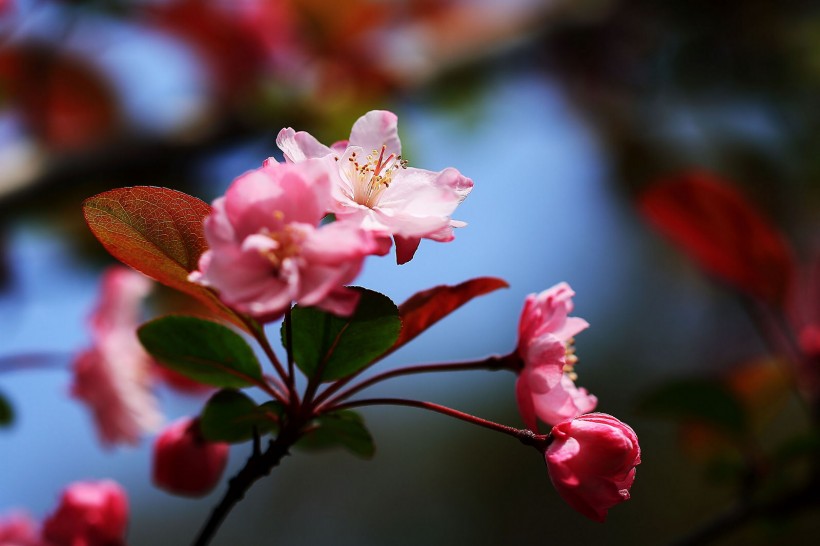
(289, 347)
(257, 466)
(276, 388)
(525, 436)
(262, 339)
(492, 363)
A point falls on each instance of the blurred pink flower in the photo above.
(89, 514)
(804, 316)
(545, 387)
(113, 377)
(184, 463)
(375, 188)
(266, 250)
(18, 529)
(591, 462)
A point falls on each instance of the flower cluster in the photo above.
(284, 242)
(267, 247)
(592, 456)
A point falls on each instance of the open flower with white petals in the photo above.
(376, 187)
(546, 388)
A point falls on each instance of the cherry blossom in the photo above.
(113, 377)
(376, 188)
(546, 383)
(591, 462)
(89, 514)
(184, 463)
(267, 250)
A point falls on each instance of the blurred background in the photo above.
(562, 112)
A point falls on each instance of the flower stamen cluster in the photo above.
(369, 180)
(570, 359)
(287, 244)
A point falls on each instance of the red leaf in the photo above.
(427, 307)
(724, 233)
(65, 101)
(156, 231)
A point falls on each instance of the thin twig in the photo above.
(526, 436)
(492, 363)
(289, 347)
(255, 468)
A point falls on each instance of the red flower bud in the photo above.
(591, 462)
(184, 462)
(89, 514)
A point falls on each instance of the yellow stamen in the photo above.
(570, 360)
(373, 177)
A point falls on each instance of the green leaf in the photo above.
(202, 350)
(701, 400)
(159, 232)
(339, 346)
(340, 429)
(230, 416)
(6, 412)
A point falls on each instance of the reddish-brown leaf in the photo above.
(724, 233)
(427, 307)
(156, 231)
(65, 101)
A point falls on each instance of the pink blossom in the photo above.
(184, 463)
(266, 250)
(113, 377)
(546, 384)
(89, 514)
(375, 188)
(591, 462)
(18, 529)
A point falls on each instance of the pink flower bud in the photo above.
(184, 462)
(591, 462)
(89, 514)
(18, 529)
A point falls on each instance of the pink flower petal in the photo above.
(113, 378)
(375, 129)
(544, 334)
(298, 146)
